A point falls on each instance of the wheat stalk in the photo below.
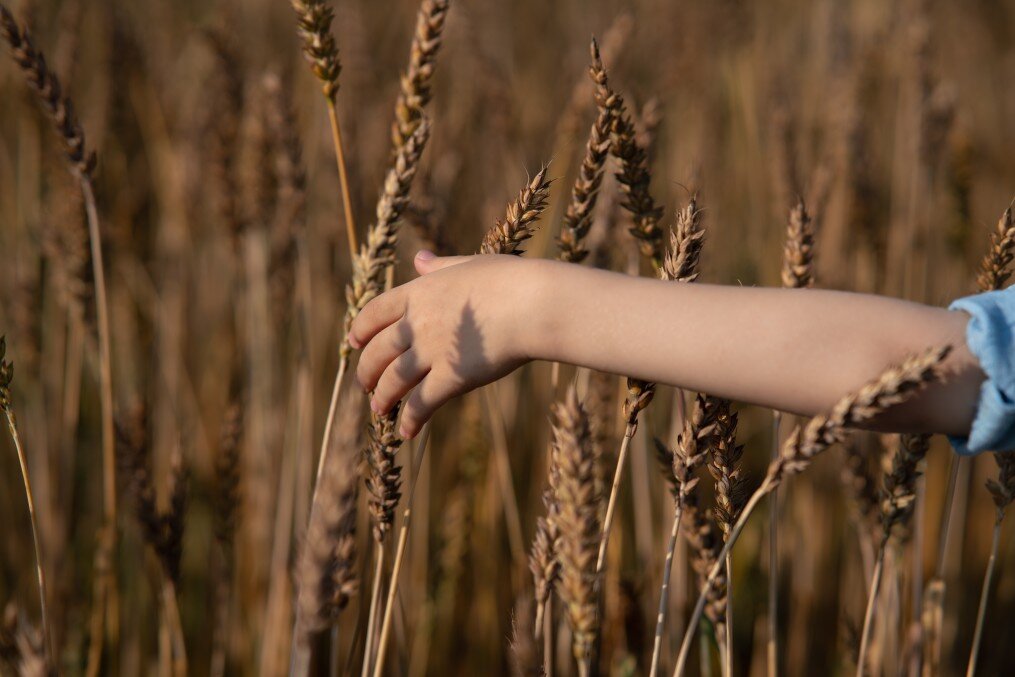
(894, 386)
(995, 271)
(7, 406)
(326, 571)
(383, 483)
(403, 538)
(82, 163)
(898, 499)
(314, 19)
(797, 273)
(578, 524)
(730, 487)
(679, 467)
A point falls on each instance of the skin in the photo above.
(470, 320)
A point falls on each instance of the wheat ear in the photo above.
(6, 376)
(578, 524)
(895, 385)
(416, 85)
(634, 175)
(82, 163)
(326, 570)
(585, 192)
(898, 499)
(519, 224)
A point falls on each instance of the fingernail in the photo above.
(426, 255)
(374, 407)
(354, 342)
(403, 432)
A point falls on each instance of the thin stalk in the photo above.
(336, 137)
(172, 611)
(685, 647)
(773, 562)
(403, 537)
(988, 578)
(375, 597)
(548, 639)
(729, 616)
(502, 460)
(868, 618)
(611, 506)
(12, 424)
(664, 591)
(329, 424)
(103, 617)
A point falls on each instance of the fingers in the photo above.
(400, 377)
(427, 262)
(379, 313)
(385, 347)
(431, 393)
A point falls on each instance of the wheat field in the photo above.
(196, 199)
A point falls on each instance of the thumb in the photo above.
(428, 262)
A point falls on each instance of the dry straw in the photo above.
(895, 385)
(578, 524)
(82, 163)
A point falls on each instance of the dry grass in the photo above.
(212, 288)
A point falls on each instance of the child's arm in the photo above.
(470, 320)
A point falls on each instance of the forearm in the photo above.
(793, 350)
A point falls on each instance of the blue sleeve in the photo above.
(990, 335)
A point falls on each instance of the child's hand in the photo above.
(455, 328)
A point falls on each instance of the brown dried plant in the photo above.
(898, 500)
(895, 385)
(585, 192)
(82, 163)
(578, 525)
(634, 175)
(798, 257)
(314, 19)
(327, 566)
(507, 236)
(415, 90)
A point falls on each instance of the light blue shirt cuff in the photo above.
(990, 336)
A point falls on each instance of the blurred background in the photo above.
(894, 120)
